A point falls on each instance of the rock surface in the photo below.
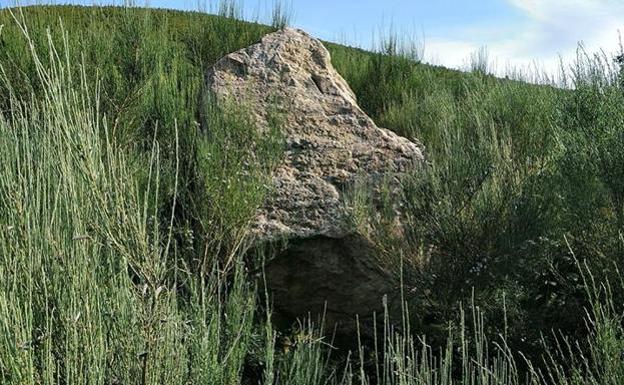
(330, 142)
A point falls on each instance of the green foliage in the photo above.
(98, 284)
(238, 159)
(514, 167)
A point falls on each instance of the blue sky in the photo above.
(517, 33)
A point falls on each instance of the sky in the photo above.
(520, 34)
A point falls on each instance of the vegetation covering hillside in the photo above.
(122, 250)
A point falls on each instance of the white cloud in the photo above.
(550, 30)
(448, 52)
(561, 23)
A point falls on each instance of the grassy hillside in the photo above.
(122, 225)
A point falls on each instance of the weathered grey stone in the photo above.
(330, 142)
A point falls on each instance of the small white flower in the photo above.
(158, 291)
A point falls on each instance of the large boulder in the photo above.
(330, 143)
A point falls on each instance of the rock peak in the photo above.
(330, 140)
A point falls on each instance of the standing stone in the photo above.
(330, 143)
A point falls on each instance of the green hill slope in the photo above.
(121, 224)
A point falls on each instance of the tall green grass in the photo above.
(515, 167)
(91, 272)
